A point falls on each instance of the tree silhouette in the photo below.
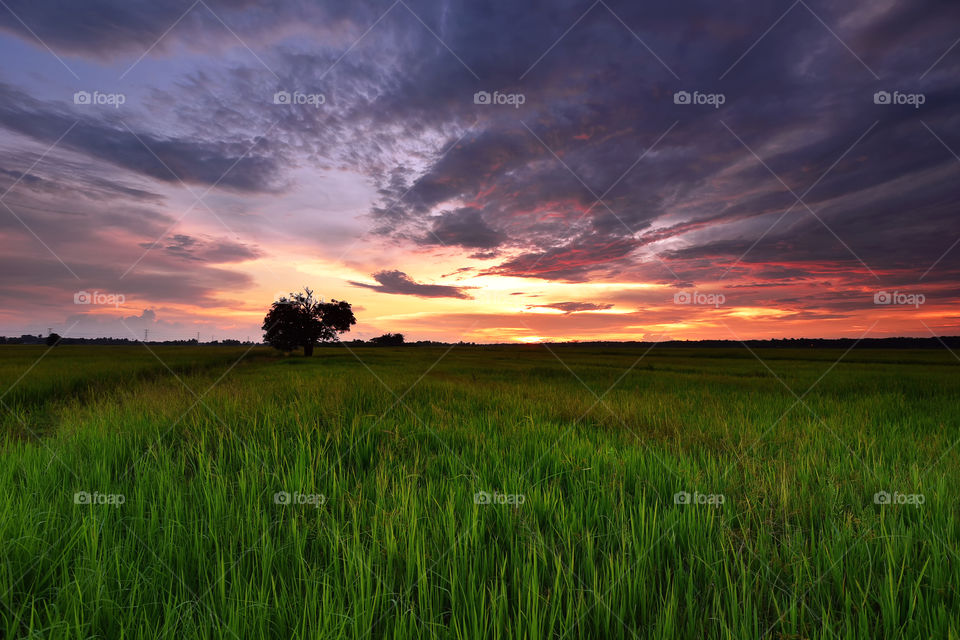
(53, 339)
(388, 340)
(301, 320)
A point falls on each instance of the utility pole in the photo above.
(146, 332)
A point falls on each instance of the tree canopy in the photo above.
(301, 320)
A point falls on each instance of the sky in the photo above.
(484, 171)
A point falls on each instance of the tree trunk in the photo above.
(308, 350)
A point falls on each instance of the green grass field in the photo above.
(214, 493)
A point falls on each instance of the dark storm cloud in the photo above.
(460, 172)
(896, 230)
(397, 282)
(464, 227)
(569, 262)
(521, 186)
(239, 164)
(799, 99)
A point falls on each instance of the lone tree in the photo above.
(53, 339)
(301, 320)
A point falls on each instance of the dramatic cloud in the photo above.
(569, 262)
(464, 227)
(400, 283)
(238, 163)
(796, 158)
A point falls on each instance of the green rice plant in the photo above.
(502, 492)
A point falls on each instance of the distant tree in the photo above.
(301, 320)
(388, 340)
(53, 339)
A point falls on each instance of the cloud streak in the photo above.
(399, 283)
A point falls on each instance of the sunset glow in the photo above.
(458, 176)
